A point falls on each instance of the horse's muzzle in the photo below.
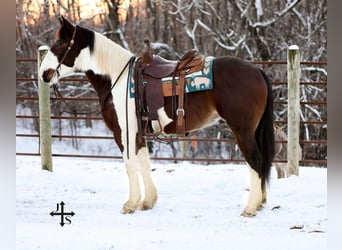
(48, 75)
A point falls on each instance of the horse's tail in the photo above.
(265, 135)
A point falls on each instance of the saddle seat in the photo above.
(160, 67)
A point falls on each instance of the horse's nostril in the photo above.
(48, 74)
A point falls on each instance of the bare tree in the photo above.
(114, 26)
(249, 29)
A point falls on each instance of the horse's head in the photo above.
(70, 51)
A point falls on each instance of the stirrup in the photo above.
(152, 133)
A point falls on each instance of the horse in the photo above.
(241, 96)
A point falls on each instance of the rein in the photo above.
(59, 95)
(130, 61)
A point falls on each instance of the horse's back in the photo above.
(236, 73)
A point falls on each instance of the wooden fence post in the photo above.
(293, 118)
(44, 116)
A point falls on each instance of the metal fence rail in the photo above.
(99, 117)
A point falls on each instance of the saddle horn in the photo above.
(147, 52)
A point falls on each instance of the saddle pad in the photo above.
(197, 81)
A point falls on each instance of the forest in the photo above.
(254, 30)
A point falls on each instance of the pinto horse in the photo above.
(241, 95)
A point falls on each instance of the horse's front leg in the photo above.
(134, 187)
(145, 170)
(139, 165)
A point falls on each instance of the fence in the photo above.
(34, 98)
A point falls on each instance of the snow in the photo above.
(43, 47)
(294, 47)
(259, 9)
(198, 208)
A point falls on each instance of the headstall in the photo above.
(71, 43)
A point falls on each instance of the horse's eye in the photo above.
(59, 43)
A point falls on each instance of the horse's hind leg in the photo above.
(257, 194)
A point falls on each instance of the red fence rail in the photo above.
(94, 99)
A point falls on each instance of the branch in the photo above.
(250, 53)
(234, 46)
(218, 16)
(279, 14)
(315, 69)
(204, 26)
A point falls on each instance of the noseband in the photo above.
(71, 43)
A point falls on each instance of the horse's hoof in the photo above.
(146, 205)
(264, 201)
(260, 207)
(127, 209)
(248, 214)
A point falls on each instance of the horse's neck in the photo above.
(110, 57)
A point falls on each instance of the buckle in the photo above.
(181, 111)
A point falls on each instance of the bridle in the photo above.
(55, 88)
(71, 43)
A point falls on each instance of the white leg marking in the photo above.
(255, 194)
(140, 165)
(134, 188)
(150, 190)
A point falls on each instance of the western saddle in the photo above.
(148, 72)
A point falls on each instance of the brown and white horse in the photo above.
(241, 95)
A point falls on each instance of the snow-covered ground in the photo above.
(198, 208)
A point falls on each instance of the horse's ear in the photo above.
(60, 19)
(64, 22)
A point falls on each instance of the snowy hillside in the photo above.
(198, 208)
